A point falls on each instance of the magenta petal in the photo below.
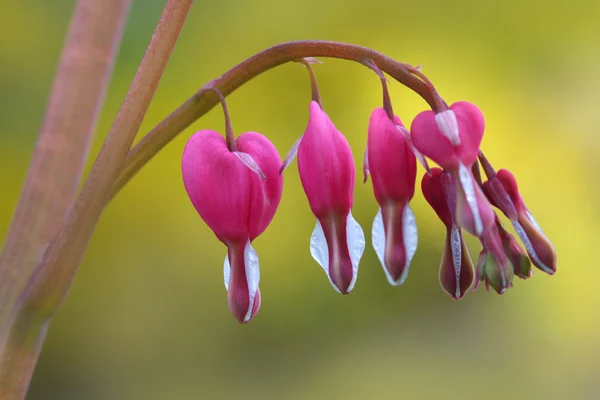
(430, 140)
(326, 166)
(392, 164)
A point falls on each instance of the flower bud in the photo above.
(503, 192)
(393, 170)
(327, 173)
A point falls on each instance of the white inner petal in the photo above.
(252, 276)
(226, 271)
(249, 162)
(410, 237)
(456, 246)
(529, 246)
(466, 181)
(378, 242)
(448, 125)
(320, 252)
(356, 245)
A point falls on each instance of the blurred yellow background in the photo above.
(147, 317)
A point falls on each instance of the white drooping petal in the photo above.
(448, 125)
(250, 163)
(290, 155)
(252, 276)
(320, 251)
(356, 246)
(418, 155)
(466, 182)
(252, 269)
(456, 247)
(226, 271)
(410, 236)
(529, 246)
(378, 241)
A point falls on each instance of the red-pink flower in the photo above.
(393, 168)
(502, 190)
(456, 268)
(451, 138)
(327, 173)
(236, 193)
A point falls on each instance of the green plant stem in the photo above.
(50, 282)
(62, 146)
(204, 100)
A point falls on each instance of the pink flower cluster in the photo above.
(236, 191)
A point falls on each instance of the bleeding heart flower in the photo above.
(393, 170)
(456, 269)
(502, 190)
(327, 173)
(451, 138)
(236, 193)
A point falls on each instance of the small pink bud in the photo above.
(327, 173)
(393, 169)
(236, 194)
(503, 192)
(517, 256)
(456, 268)
(451, 137)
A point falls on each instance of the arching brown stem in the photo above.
(204, 100)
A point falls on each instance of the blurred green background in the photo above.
(147, 317)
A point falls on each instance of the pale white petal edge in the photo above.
(355, 238)
(456, 246)
(252, 275)
(249, 162)
(448, 125)
(466, 181)
(410, 239)
(528, 245)
(291, 155)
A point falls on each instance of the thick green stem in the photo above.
(22, 337)
(204, 100)
(61, 150)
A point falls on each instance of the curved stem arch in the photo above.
(205, 99)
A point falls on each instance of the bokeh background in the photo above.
(147, 317)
